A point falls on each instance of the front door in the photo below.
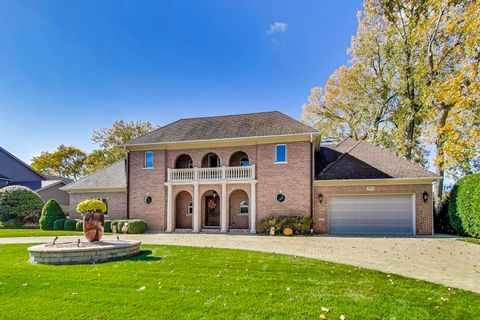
(212, 211)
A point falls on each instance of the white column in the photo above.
(253, 207)
(169, 208)
(223, 209)
(196, 208)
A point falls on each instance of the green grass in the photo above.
(194, 283)
(471, 240)
(36, 233)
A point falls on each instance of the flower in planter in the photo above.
(93, 218)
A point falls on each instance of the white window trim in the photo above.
(145, 160)
(286, 154)
(188, 213)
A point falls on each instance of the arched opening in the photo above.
(184, 161)
(183, 210)
(238, 159)
(211, 209)
(239, 209)
(210, 160)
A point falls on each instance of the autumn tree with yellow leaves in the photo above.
(412, 82)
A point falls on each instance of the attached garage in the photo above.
(372, 214)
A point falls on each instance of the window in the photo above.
(190, 163)
(280, 197)
(244, 162)
(190, 209)
(148, 199)
(148, 159)
(243, 207)
(280, 153)
(105, 200)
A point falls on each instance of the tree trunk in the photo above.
(440, 140)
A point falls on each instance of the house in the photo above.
(227, 173)
(14, 171)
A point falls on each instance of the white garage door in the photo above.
(382, 214)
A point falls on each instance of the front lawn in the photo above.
(181, 282)
(36, 233)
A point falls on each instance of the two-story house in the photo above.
(227, 173)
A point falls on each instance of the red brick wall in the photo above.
(183, 220)
(117, 203)
(237, 220)
(424, 211)
(145, 182)
(293, 179)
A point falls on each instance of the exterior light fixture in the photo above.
(320, 197)
(425, 196)
(214, 194)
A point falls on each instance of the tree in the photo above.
(20, 203)
(51, 211)
(111, 141)
(66, 161)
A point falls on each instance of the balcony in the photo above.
(243, 173)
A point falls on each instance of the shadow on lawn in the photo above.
(144, 255)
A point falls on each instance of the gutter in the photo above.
(128, 183)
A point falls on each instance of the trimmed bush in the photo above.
(299, 224)
(107, 226)
(464, 206)
(51, 212)
(21, 203)
(59, 224)
(79, 225)
(136, 226)
(70, 225)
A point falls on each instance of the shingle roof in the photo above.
(2, 177)
(225, 127)
(113, 176)
(352, 159)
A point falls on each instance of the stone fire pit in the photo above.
(83, 252)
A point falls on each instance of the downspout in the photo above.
(312, 164)
(127, 167)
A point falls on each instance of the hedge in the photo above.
(79, 225)
(70, 225)
(59, 224)
(464, 206)
(135, 226)
(299, 224)
(51, 211)
(107, 226)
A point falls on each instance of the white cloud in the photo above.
(277, 27)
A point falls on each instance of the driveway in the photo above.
(443, 260)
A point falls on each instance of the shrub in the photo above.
(20, 202)
(107, 225)
(441, 221)
(79, 225)
(59, 224)
(136, 226)
(464, 206)
(299, 224)
(91, 206)
(70, 225)
(51, 211)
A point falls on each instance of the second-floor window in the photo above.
(148, 160)
(280, 153)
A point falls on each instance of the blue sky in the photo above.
(69, 67)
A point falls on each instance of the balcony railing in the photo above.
(211, 174)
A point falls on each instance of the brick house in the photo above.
(227, 173)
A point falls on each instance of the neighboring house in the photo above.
(14, 171)
(229, 172)
(17, 172)
(108, 184)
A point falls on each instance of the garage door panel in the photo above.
(390, 214)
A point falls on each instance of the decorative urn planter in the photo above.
(93, 211)
(93, 226)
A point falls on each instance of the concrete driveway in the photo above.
(443, 260)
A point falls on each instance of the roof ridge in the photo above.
(232, 115)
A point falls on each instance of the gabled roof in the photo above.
(352, 159)
(50, 184)
(2, 177)
(262, 124)
(41, 176)
(108, 178)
